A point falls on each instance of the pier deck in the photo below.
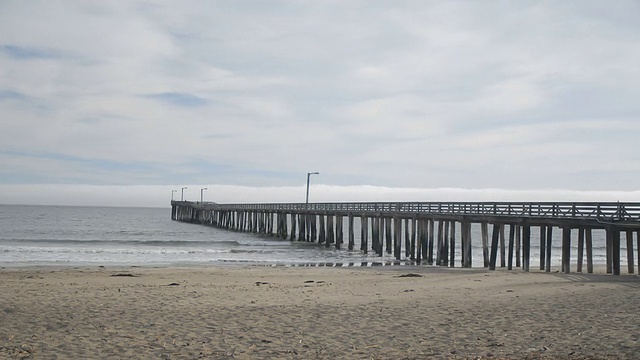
(426, 231)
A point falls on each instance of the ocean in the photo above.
(110, 236)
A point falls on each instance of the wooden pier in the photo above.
(425, 232)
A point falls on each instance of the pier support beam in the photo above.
(431, 236)
(512, 237)
(322, 235)
(526, 246)
(339, 231)
(566, 250)
(494, 246)
(397, 237)
(580, 249)
(412, 250)
(407, 239)
(351, 233)
(364, 233)
(548, 248)
(484, 227)
(452, 245)
(589, 243)
(630, 266)
(543, 243)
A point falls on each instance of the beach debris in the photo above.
(409, 290)
(309, 281)
(173, 284)
(125, 275)
(409, 275)
(258, 283)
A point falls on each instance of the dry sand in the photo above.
(310, 313)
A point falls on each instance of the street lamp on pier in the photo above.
(173, 192)
(202, 194)
(308, 177)
(182, 196)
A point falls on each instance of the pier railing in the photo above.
(597, 211)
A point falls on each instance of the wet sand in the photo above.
(315, 313)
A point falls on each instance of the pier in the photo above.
(426, 232)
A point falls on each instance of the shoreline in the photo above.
(402, 264)
(268, 312)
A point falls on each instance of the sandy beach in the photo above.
(401, 312)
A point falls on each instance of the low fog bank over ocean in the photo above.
(160, 195)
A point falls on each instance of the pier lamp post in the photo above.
(202, 194)
(173, 192)
(182, 196)
(308, 177)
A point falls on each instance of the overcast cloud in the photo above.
(537, 99)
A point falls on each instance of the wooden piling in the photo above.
(407, 239)
(518, 242)
(374, 234)
(548, 248)
(322, 233)
(413, 249)
(452, 245)
(526, 247)
(503, 256)
(351, 233)
(388, 235)
(609, 244)
(381, 226)
(397, 233)
(301, 227)
(421, 236)
(580, 249)
(616, 251)
(331, 236)
(589, 244)
(431, 237)
(543, 243)
(293, 227)
(443, 247)
(438, 245)
(339, 231)
(314, 228)
(512, 236)
(566, 249)
(494, 246)
(485, 243)
(468, 245)
(630, 266)
(638, 249)
(364, 233)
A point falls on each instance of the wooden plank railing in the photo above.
(600, 211)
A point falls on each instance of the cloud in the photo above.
(11, 95)
(27, 53)
(179, 99)
(418, 94)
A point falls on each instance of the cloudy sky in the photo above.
(132, 97)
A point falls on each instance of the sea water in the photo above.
(77, 236)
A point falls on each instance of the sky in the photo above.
(121, 102)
